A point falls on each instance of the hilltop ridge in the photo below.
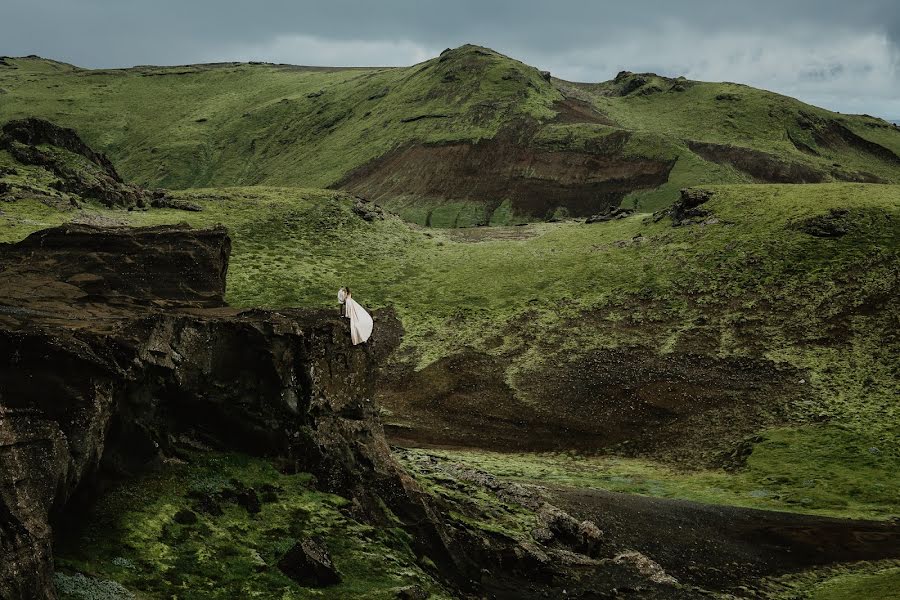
(469, 137)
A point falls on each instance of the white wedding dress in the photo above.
(361, 323)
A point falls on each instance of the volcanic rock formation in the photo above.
(115, 342)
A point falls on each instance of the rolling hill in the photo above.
(470, 137)
(731, 341)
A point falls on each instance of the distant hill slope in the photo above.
(469, 137)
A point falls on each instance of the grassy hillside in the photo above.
(746, 324)
(470, 137)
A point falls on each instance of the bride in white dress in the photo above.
(361, 323)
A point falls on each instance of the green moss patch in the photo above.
(185, 531)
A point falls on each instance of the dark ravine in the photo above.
(117, 345)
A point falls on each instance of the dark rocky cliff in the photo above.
(116, 343)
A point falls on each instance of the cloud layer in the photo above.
(844, 56)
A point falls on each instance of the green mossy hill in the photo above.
(228, 124)
(248, 124)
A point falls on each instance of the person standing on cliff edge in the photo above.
(361, 323)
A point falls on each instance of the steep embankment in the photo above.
(118, 350)
(469, 137)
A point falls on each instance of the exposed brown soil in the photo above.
(763, 167)
(573, 110)
(630, 399)
(536, 181)
(722, 547)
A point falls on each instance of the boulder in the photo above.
(309, 564)
(557, 526)
(686, 209)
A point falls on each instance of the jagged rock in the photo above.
(686, 208)
(367, 210)
(645, 566)
(555, 525)
(309, 564)
(610, 214)
(546, 75)
(24, 139)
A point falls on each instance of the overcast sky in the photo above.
(841, 55)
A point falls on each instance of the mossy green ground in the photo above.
(750, 284)
(790, 470)
(132, 537)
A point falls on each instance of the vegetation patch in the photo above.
(217, 527)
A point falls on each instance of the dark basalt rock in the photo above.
(687, 209)
(611, 214)
(185, 517)
(309, 564)
(367, 210)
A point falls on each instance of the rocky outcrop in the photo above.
(309, 563)
(115, 343)
(610, 214)
(687, 209)
(80, 170)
